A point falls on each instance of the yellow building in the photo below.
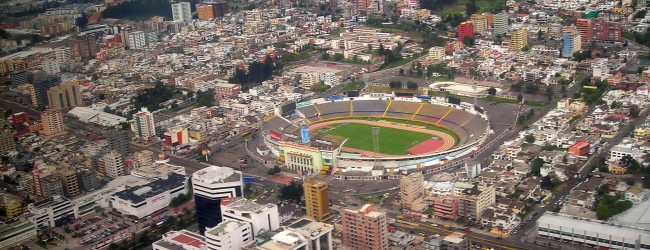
(641, 133)
(65, 96)
(519, 39)
(14, 208)
(198, 135)
(411, 191)
(480, 23)
(436, 53)
(52, 122)
(616, 169)
(316, 199)
(309, 79)
(421, 14)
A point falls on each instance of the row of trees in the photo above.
(257, 72)
(142, 9)
(152, 98)
(398, 85)
(609, 205)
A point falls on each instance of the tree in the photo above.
(205, 99)
(530, 138)
(381, 49)
(292, 192)
(520, 97)
(531, 88)
(325, 56)
(602, 211)
(468, 41)
(547, 183)
(634, 111)
(536, 166)
(492, 91)
(275, 170)
(369, 47)
(549, 92)
(471, 8)
(338, 57)
(401, 71)
(4, 34)
(395, 84)
(411, 85)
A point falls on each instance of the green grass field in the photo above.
(391, 141)
(460, 7)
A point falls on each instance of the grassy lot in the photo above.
(399, 62)
(459, 7)
(353, 86)
(380, 89)
(391, 141)
(441, 79)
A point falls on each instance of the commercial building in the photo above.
(364, 228)
(118, 141)
(68, 177)
(7, 143)
(176, 136)
(445, 207)
(586, 29)
(500, 23)
(317, 234)
(226, 90)
(143, 125)
(210, 186)
(15, 233)
(519, 39)
(158, 170)
(411, 190)
(262, 218)
(111, 165)
(571, 43)
(474, 200)
(88, 180)
(65, 96)
(181, 12)
(593, 233)
(52, 211)
(205, 12)
(454, 241)
(465, 29)
(37, 177)
(52, 121)
(580, 148)
(316, 199)
(85, 47)
(285, 240)
(98, 117)
(177, 240)
(436, 53)
(229, 235)
(143, 200)
(308, 80)
(309, 159)
(51, 185)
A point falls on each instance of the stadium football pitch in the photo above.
(391, 141)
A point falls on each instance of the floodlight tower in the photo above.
(375, 141)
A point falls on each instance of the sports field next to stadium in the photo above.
(391, 141)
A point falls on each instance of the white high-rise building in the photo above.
(210, 186)
(500, 23)
(263, 218)
(137, 40)
(436, 53)
(182, 12)
(143, 125)
(111, 164)
(229, 235)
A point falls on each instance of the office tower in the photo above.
(229, 235)
(480, 23)
(118, 140)
(142, 125)
(571, 43)
(52, 121)
(607, 32)
(39, 84)
(38, 175)
(473, 201)
(88, 180)
(519, 39)
(181, 12)
(210, 186)
(111, 165)
(465, 29)
(411, 190)
(65, 96)
(68, 177)
(86, 46)
(6, 142)
(205, 11)
(262, 218)
(137, 40)
(316, 199)
(586, 29)
(500, 23)
(220, 9)
(364, 228)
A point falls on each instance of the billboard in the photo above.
(274, 135)
(304, 134)
(453, 100)
(288, 109)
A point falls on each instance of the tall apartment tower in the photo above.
(65, 96)
(500, 23)
(182, 12)
(86, 47)
(205, 12)
(473, 201)
(111, 165)
(137, 40)
(411, 190)
(586, 29)
(465, 29)
(607, 32)
(519, 39)
(68, 177)
(210, 185)
(6, 142)
(51, 185)
(52, 122)
(365, 228)
(143, 158)
(118, 140)
(316, 199)
(143, 125)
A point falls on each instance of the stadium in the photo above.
(375, 134)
